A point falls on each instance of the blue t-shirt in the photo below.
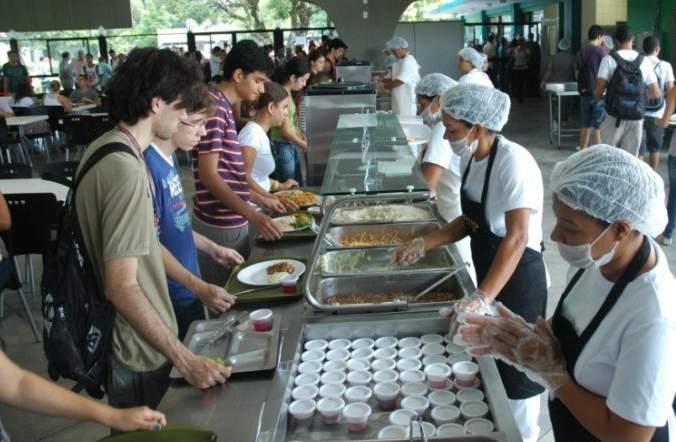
(174, 219)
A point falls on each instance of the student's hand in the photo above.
(289, 205)
(137, 418)
(273, 205)
(216, 298)
(288, 184)
(225, 256)
(203, 372)
(266, 227)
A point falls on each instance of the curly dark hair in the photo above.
(149, 73)
(247, 56)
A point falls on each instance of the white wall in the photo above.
(435, 45)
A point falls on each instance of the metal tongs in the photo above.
(435, 284)
(418, 421)
(232, 321)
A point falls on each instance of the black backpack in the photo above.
(78, 319)
(626, 94)
(655, 104)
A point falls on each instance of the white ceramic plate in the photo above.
(256, 274)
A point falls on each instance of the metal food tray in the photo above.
(379, 258)
(411, 283)
(425, 205)
(237, 341)
(411, 229)
(275, 425)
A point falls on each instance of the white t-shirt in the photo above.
(664, 73)
(252, 135)
(215, 65)
(608, 66)
(51, 100)
(476, 76)
(406, 70)
(24, 102)
(515, 183)
(6, 104)
(630, 360)
(439, 152)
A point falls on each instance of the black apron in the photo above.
(565, 425)
(526, 291)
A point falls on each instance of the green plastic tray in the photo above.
(272, 293)
(167, 434)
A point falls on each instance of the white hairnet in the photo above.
(477, 104)
(564, 44)
(473, 56)
(397, 43)
(434, 85)
(609, 184)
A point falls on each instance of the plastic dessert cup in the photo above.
(302, 411)
(356, 416)
(330, 408)
(437, 375)
(387, 393)
(262, 319)
(465, 372)
(445, 414)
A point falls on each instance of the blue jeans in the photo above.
(671, 200)
(186, 312)
(287, 162)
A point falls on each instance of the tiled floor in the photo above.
(527, 126)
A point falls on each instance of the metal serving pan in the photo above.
(236, 346)
(275, 425)
(370, 261)
(337, 234)
(425, 205)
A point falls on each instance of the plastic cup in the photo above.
(358, 394)
(356, 416)
(333, 377)
(473, 386)
(336, 365)
(307, 379)
(411, 376)
(417, 404)
(359, 377)
(465, 372)
(383, 364)
(409, 342)
(363, 343)
(310, 367)
(316, 344)
(387, 393)
(454, 349)
(459, 357)
(445, 414)
(439, 398)
(337, 355)
(386, 342)
(433, 350)
(431, 339)
(437, 359)
(437, 375)
(410, 353)
(408, 364)
(401, 417)
(262, 319)
(393, 432)
(470, 395)
(304, 392)
(358, 365)
(450, 430)
(316, 213)
(474, 409)
(302, 411)
(330, 408)
(289, 284)
(362, 353)
(313, 355)
(385, 376)
(385, 353)
(414, 389)
(332, 390)
(338, 344)
(479, 426)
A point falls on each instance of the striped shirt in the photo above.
(221, 138)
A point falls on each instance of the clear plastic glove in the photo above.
(478, 303)
(534, 350)
(409, 253)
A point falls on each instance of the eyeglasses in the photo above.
(194, 124)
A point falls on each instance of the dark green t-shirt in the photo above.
(15, 74)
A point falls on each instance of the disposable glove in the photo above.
(410, 253)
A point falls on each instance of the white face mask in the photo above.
(430, 118)
(463, 147)
(581, 257)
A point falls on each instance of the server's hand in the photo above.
(478, 303)
(534, 350)
(410, 253)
